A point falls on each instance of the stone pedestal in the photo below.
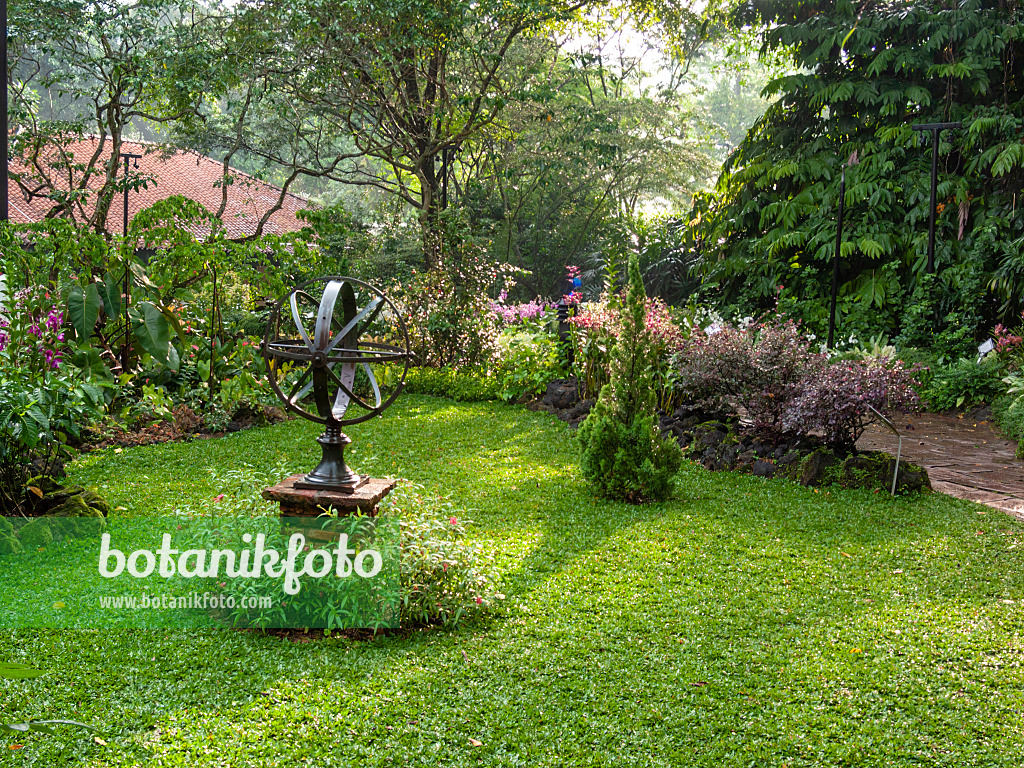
(308, 503)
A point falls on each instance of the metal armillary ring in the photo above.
(333, 346)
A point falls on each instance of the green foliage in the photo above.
(622, 454)
(586, 144)
(24, 672)
(628, 461)
(462, 384)
(38, 418)
(445, 580)
(771, 221)
(1008, 412)
(448, 309)
(342, 241)
(92, 67)
(530, 356)
(965, 384)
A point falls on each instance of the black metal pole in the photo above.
(4, 208)
(935, 190)
(936, 129)
(835, 262)
(213, 332)
(127, 281)
(126, 349)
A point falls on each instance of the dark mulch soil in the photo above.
(185, 424)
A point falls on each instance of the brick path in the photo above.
(964, 458)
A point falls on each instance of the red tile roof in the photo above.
(182, 173)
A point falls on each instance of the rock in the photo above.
(73, 507)
(45, 483)
(728, 459)
(790, 458)
(709, 458)
(36, 533)
(233, 426)
(873, 469)
(56, 498)
(274, 415)
(762, 468)
(51, 470)
(581, 409)
(561, 394)
(858, 471)
(746, 458)
(761, 449)
(708, 436)
(912, 478)
(815, 465)
(9, 545)
(6, 529)
(96, 503)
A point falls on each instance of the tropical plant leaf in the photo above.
(110, 292)
(84, 309)
(152, 331)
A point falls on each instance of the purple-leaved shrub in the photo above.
(771, 370)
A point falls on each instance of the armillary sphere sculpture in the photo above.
(330, 337)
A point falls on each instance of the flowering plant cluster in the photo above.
(1009, 346)
(444, 579)
(771, 370)
(573, 277)
(514, 314)
(448, 312)
(603, 316)
(31, 332)
(595, 328)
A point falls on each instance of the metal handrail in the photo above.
(899, 448)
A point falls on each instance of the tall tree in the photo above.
(867, 72)
(572, 168)
(371, 93)
(94, 67)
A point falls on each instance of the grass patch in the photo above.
(746, 622)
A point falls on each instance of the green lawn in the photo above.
(747, 622)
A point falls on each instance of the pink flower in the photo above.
(219, 498)
(453, 520)
(479, 601)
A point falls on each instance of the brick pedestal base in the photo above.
(298, 502)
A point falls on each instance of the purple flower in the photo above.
(4, 338)
(55, 319)
(35, 330)
(53, 358)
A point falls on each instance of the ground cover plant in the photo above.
(746, 622)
